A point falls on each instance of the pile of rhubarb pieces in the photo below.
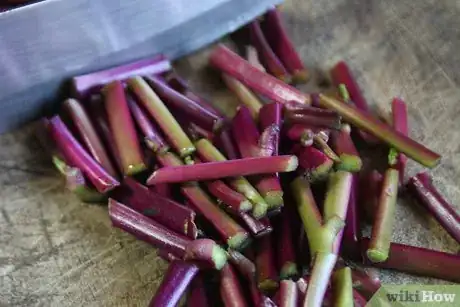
(262, 209)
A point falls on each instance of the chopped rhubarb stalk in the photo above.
(382, 229)
(88, 134)
(231, 291)
(228, 196)
(77, 156)
(76, 183)
(366, 283)
(163, 210)
(180, 85)
(382, 131)
(371, 184)
(267, 275)
(101, 123)
(234, 235)
(352, 230)
(152, 137)
(282, 46)
(192, 110)
(197, 296)
(230, 168)
(266, 54)
(399, 112)
(314, 117)
(257, 227)
(209, 153)
(260, 82)
(288, 294)
(313, 162)
(168, 124)
(204, 251)
(422, 188)
(243, 94)
(175, 282)
(270, 117)
(123, 130)
(85, 85)
(226, 143)
(321, 143)
(344, 147)
(285, 248)
(419, 261)
(243, 264)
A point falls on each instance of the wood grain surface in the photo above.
(56, 251)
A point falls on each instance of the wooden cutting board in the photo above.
(56, 251)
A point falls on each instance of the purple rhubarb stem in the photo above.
(175, 282)
(258, 298)
(422, 188)
(382, 229)
(352, 230)
(233, 234)
(382, 131)
(371, 184)
(315, 117)
(77, 157)
(163, 117)
(288, 294)
(192, 110)
(203, 251)
(88, 134)
(269, 141)
(270, 119)
(152, 136)
(285, 248)
(197, 296)
(282, 46)
(343, 146)
(400, 124)
(419, 261)
(320, 141)
(314, 163)
(267, 275)
(228, 196)
(358, 299)
(243, 264)
(163, 210)
(101, 123)
(217, 170)
(85, 85)
(268, 58)
(260, 82)
(226, 143)
(123, 130)
(181, 86)
(209, 153)
(230, 288)
(257, 227)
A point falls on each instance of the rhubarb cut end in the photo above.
(376, 255)
(350, 163)
(187, 151)
(245, 206)
(268, 285)
(239, 241)
(292, 164)
(134, 169)
(219, 257)
(285, 78)
(259, 210)
(274, 199)
(301, 76)
(289, 270)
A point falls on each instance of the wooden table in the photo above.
(56, 251)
